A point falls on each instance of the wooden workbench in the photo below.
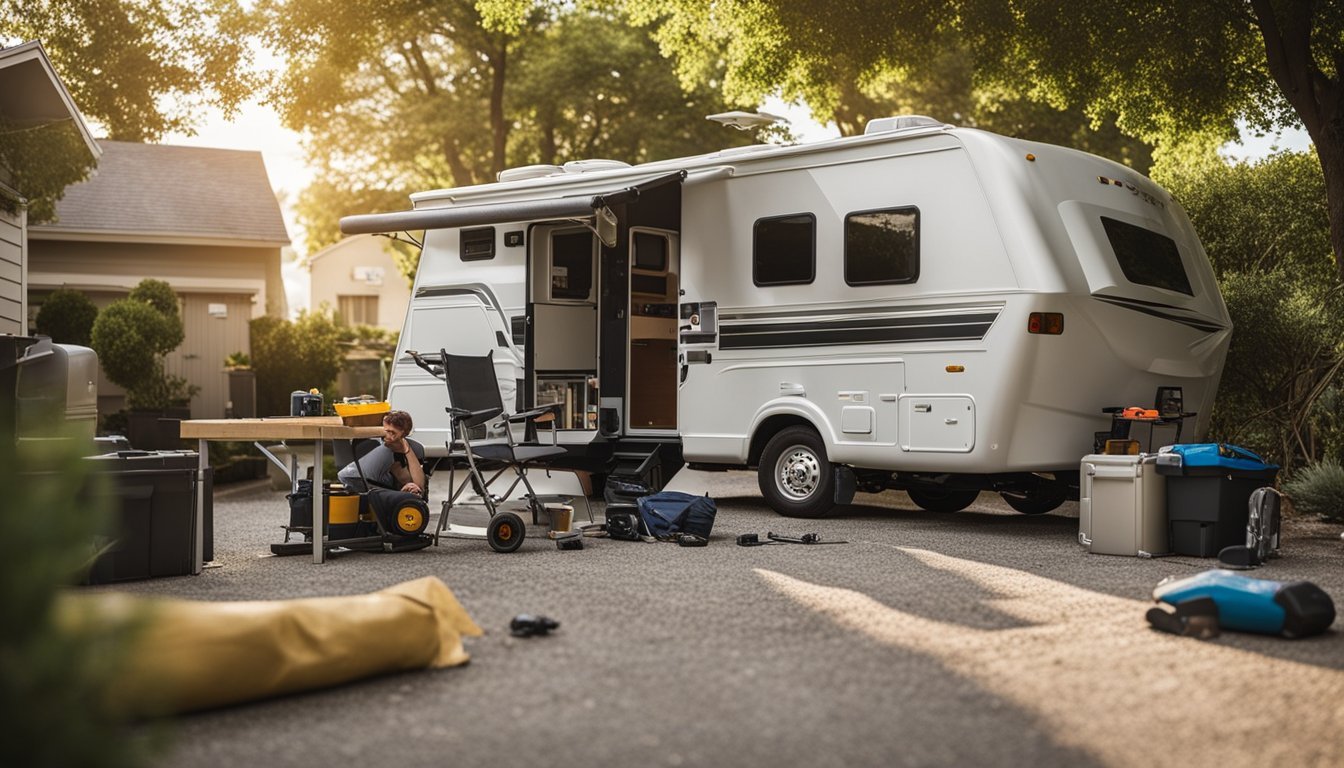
(284, 429)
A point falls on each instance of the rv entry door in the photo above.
(651, 366)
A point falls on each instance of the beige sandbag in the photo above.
(196, 655)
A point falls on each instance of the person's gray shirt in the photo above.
(377, 466)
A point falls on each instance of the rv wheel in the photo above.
(794, 474)
(942, 499)
(1039, 500)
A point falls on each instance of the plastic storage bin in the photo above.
(153, 515)
(1122, 507)
(1209, 486)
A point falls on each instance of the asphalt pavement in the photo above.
(983, 637)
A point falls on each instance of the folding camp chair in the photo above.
(473, 392)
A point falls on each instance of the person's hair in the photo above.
(399, 419)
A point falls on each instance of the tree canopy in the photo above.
(140, 69)
(410, 95)
(1161, 69)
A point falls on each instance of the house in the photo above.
(206, 221)
(359, 279)
(31, 95)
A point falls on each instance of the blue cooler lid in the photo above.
(1213, 455)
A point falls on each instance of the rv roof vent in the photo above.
(584, 166)
(529, 172)
(900, 123)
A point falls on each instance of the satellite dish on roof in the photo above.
(745, 121)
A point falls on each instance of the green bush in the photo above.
(1266, 230)
(299, 355)
(1283, 355)
(1318, 489)
(54, 680)
(131, 337)
(67, 316)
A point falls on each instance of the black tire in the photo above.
(1043, 498)
(795, 476)
(505, 532)
(942, 499)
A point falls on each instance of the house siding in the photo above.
(213, 339)
(13, 288)
(246, 280)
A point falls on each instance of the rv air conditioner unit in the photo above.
(900, 123)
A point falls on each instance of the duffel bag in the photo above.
(671, 512)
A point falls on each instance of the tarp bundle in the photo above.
(197, 655)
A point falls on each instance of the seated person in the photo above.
(395, 465)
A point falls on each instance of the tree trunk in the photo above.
(1330, 149)
(498, 126)
(1317, 98)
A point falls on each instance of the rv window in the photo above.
(882, 247)
(1146, 257)
(477, 244)
(572, 266)
(650, 252)
(784, 250)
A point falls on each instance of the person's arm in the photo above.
(415, 465)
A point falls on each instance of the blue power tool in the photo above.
(1237, 602)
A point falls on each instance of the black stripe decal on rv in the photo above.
(1199, 325)
(901, 330)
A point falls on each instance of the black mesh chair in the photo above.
(473, 392)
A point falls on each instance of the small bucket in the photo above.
(560, 517)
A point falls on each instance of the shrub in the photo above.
(131, 337)
(67, 316)
(1318, 489)
(288, 356)
(54, 678)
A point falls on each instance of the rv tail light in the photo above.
(1049, 323)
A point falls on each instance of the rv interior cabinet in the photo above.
(572, 390)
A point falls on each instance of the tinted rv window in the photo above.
(882, 247)
(572, 266)
(1146, 257)
(477, 244)
(784, 250)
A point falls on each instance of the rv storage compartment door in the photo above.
(937, 423)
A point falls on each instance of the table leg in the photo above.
(319, 506)
(202, 467)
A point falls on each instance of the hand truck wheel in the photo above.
(505, 532)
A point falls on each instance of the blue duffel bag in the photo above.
(667, 513)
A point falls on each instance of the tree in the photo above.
(288, 356)
(141, 69)
(67, 316)
(1162, 68)
(41, 161)
(131, 337)
(413, 95)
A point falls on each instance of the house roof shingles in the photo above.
(170, 192)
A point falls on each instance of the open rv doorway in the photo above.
(651, 372)
(561, 344)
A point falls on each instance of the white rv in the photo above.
(927, 308)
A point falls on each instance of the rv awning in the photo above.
(495, 213)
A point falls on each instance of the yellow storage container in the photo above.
(362, 414)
